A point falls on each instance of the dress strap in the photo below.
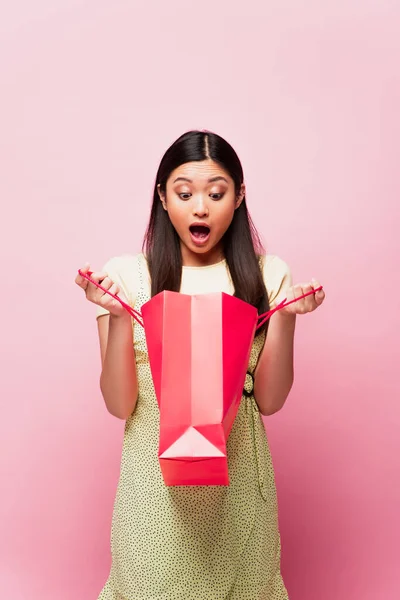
(143, 278)
(140, 270)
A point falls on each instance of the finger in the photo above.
(320, 295)
(94, 293)
(82, 281)
(306, 304)
(301, 304)
(309, 301)
(114, 289)
(105, 297)
(289, 294)
(100, 278)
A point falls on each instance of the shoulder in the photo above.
(277, 275)
(120, 263)
(123, 266)
(124, 270)
(273, 264)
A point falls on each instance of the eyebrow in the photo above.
(211, 180)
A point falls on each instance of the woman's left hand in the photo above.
(305, 305)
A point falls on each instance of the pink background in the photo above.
(92, 93)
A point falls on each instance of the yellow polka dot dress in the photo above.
(193, 543)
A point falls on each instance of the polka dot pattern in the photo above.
(193, 543)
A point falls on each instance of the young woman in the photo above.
(196, 542)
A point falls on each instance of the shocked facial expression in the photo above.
(201, 201)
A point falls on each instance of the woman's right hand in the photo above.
(97, 296)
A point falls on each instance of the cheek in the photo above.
(223, 217)
(177, 213)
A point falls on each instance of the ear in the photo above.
(240, 196)
(162, 197)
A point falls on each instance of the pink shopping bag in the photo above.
(199, 348)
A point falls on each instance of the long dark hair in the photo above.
(241, 243)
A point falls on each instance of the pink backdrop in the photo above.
(92, 93)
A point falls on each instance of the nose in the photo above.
(200, 207)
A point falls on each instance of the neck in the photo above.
(197, 259)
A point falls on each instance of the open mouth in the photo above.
(199, 233)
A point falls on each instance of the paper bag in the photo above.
(199, 348)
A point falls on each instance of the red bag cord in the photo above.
(267, 315)
(134, 313)
(138, 317)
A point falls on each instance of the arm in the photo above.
(118, 380)
(274, 374)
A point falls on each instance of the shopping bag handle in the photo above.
(138, 317)
(265, 316)
(134, 313)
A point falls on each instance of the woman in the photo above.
(204, 542)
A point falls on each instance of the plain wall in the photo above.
(91, 95)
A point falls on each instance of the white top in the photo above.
(123, 270)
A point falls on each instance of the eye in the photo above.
(187, 194)
(218, 198)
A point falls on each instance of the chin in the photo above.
(208, 248)
(201, 250)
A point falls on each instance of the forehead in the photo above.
(199, 172)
